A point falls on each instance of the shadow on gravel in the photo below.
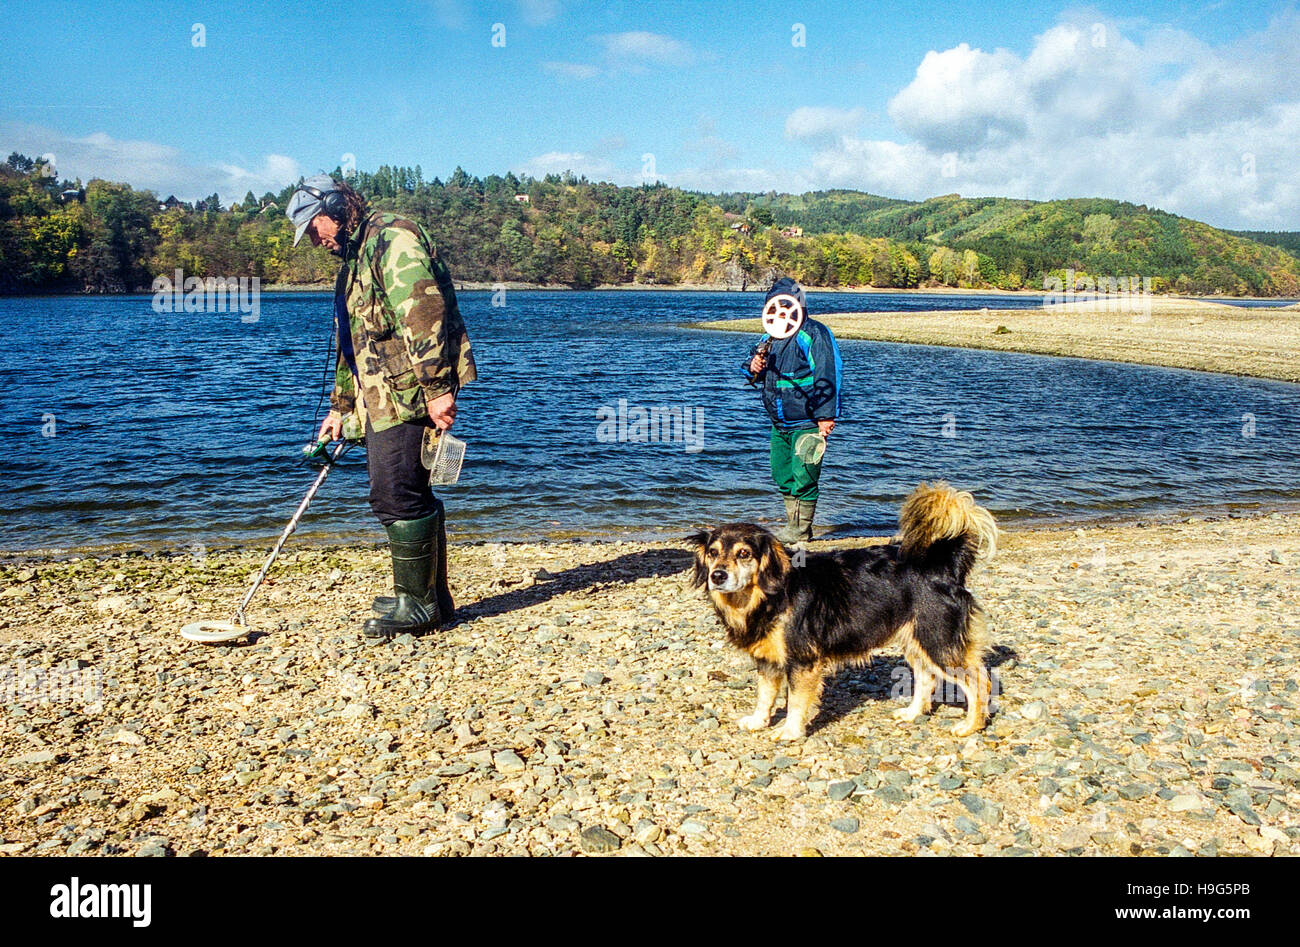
(868, 533)
(889, 678)
(652, 563)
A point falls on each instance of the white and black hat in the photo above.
(318, 194)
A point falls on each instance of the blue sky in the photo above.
(1191, 107)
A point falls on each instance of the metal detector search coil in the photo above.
(213, 632)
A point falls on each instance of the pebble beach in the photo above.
(584, 703)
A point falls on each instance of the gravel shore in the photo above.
(1177, 333)
(584, 703)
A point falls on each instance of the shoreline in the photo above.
(353, 542)
(478, 286)
(584, 703)
(1199, 335)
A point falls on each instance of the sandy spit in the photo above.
(1177, 333)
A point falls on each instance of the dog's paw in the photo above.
(965, 728)
(788, 733)
(752, 722)
(906, 714)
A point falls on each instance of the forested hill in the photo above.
(63, 236)
(1288, 240)
(1094, 235)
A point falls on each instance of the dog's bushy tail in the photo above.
(937, 520)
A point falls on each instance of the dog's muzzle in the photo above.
(721, 581)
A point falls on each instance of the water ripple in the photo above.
(129, 426)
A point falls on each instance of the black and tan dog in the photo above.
(799, 623)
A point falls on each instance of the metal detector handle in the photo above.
(330, 460)
(319, 453)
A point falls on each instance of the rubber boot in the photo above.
(383, 604)
(790, 533)
(446, 606)
(413, 545)
(807, 510)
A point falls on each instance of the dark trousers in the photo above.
(399, 482)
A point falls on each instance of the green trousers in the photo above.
(793, 477)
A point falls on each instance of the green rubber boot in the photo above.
(807, 510)
(790, 532)
(413, 545)
(446, 606)
(383, 604)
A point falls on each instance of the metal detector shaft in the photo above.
(288, 531)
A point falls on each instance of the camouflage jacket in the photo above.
(408, 340)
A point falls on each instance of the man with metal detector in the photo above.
(798, 364)
(403, 356)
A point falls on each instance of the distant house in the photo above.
(268, 207)
(171, 203)
(740, 226)
(72, 194)
(792, 232)
(522, 199)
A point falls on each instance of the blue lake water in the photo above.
(169, 430)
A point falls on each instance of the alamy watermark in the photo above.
(657, 424)
(211, 294)
(133, 901)
(65, 683)
(948, 686)
(1129, 294)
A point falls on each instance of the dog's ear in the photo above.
(773, 563)
(700, 541)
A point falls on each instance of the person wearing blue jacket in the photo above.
(799, 366)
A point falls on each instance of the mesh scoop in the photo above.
(443, 454)
(810, 448)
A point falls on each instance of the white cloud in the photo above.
(146, 164)
(634, 49)
(812, 121)
(1157, 118)
(274, 168)
(571, 70)
(713, 179)
(537, 12)
(630, 52)
(961, 97)
(580, 163)
(892, 169)
(712, 174)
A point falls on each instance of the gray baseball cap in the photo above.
(305, 205)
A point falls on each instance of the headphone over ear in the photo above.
(332, 203)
